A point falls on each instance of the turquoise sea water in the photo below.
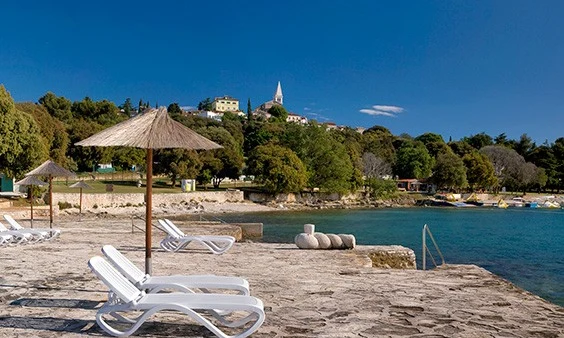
(524, 246)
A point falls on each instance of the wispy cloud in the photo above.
(382, 110)
(307, 109)
(318, 116)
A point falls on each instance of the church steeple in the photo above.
(278, 97)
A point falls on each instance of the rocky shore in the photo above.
(47, 290)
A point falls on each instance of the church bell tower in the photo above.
(278, 97)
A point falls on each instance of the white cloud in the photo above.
(187, 108)
(381, 110)
(389, 109)
(318, 116)
(375, 112)
(307, 109)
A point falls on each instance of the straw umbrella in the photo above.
(50, 169)
(153, 129)
(31, 181)
(81, 185)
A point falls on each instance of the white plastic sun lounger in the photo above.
(18, 236)
(46, 234)
(177, 240)
(179, 283)
(5, 239)
(126, 298)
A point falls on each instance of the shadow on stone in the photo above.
(47, 302)
(49, 324)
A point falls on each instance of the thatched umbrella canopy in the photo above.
(31, 181)
(81, 185)
(50, 169)
(153, 129)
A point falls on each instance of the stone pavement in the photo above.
(47, 290)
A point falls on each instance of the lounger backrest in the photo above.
(124, 265)
(113, 279)
(168, 229)
(3, 227)
(175, 228)
(15, 225)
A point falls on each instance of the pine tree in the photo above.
(249, 109)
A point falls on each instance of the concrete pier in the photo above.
(47, 290)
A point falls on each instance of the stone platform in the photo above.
(47, 290)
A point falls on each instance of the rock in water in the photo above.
(323, 240)
(336, 241)
(348, 240)
(306, 241)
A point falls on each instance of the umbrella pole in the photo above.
(50, 201)
(148, 212)
(80, 206)
(31, 203)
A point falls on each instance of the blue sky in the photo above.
(456, 68)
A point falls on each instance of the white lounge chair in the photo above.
(18, 236)
(5, 239)
(154, 284)
(177, 240)
(46, 234)
(126, 298)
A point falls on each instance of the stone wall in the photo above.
(302, 198)
(390, 256)
(121, 200)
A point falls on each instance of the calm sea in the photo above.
(525, 246)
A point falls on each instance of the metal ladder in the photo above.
(426, 231)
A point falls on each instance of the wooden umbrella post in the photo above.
(51, 201)
(31, 203)
(148, 212)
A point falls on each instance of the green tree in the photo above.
(226, 162)
(205, 104)
(174, 110)
(22, 146)
(58, 107)
(127, 107)
(558, 151)
(449, 171)
(380, 142)
(479, 141)
(278, 113)
(53, 131)
(413, 161)
(525, 146)
(382, 189)
(328, 164)
(178, 164)
(479, 171)
(249, 110)
(278, 168)
(543, 157)
(461, 148)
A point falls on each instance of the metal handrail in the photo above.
(133, 226)
(426, 230)
(202, 218)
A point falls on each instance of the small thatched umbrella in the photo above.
(81, 185)
(50, 169)
(31, 181)
(153, 129)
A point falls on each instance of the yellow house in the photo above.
(225, 103)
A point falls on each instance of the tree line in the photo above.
(283, 157)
